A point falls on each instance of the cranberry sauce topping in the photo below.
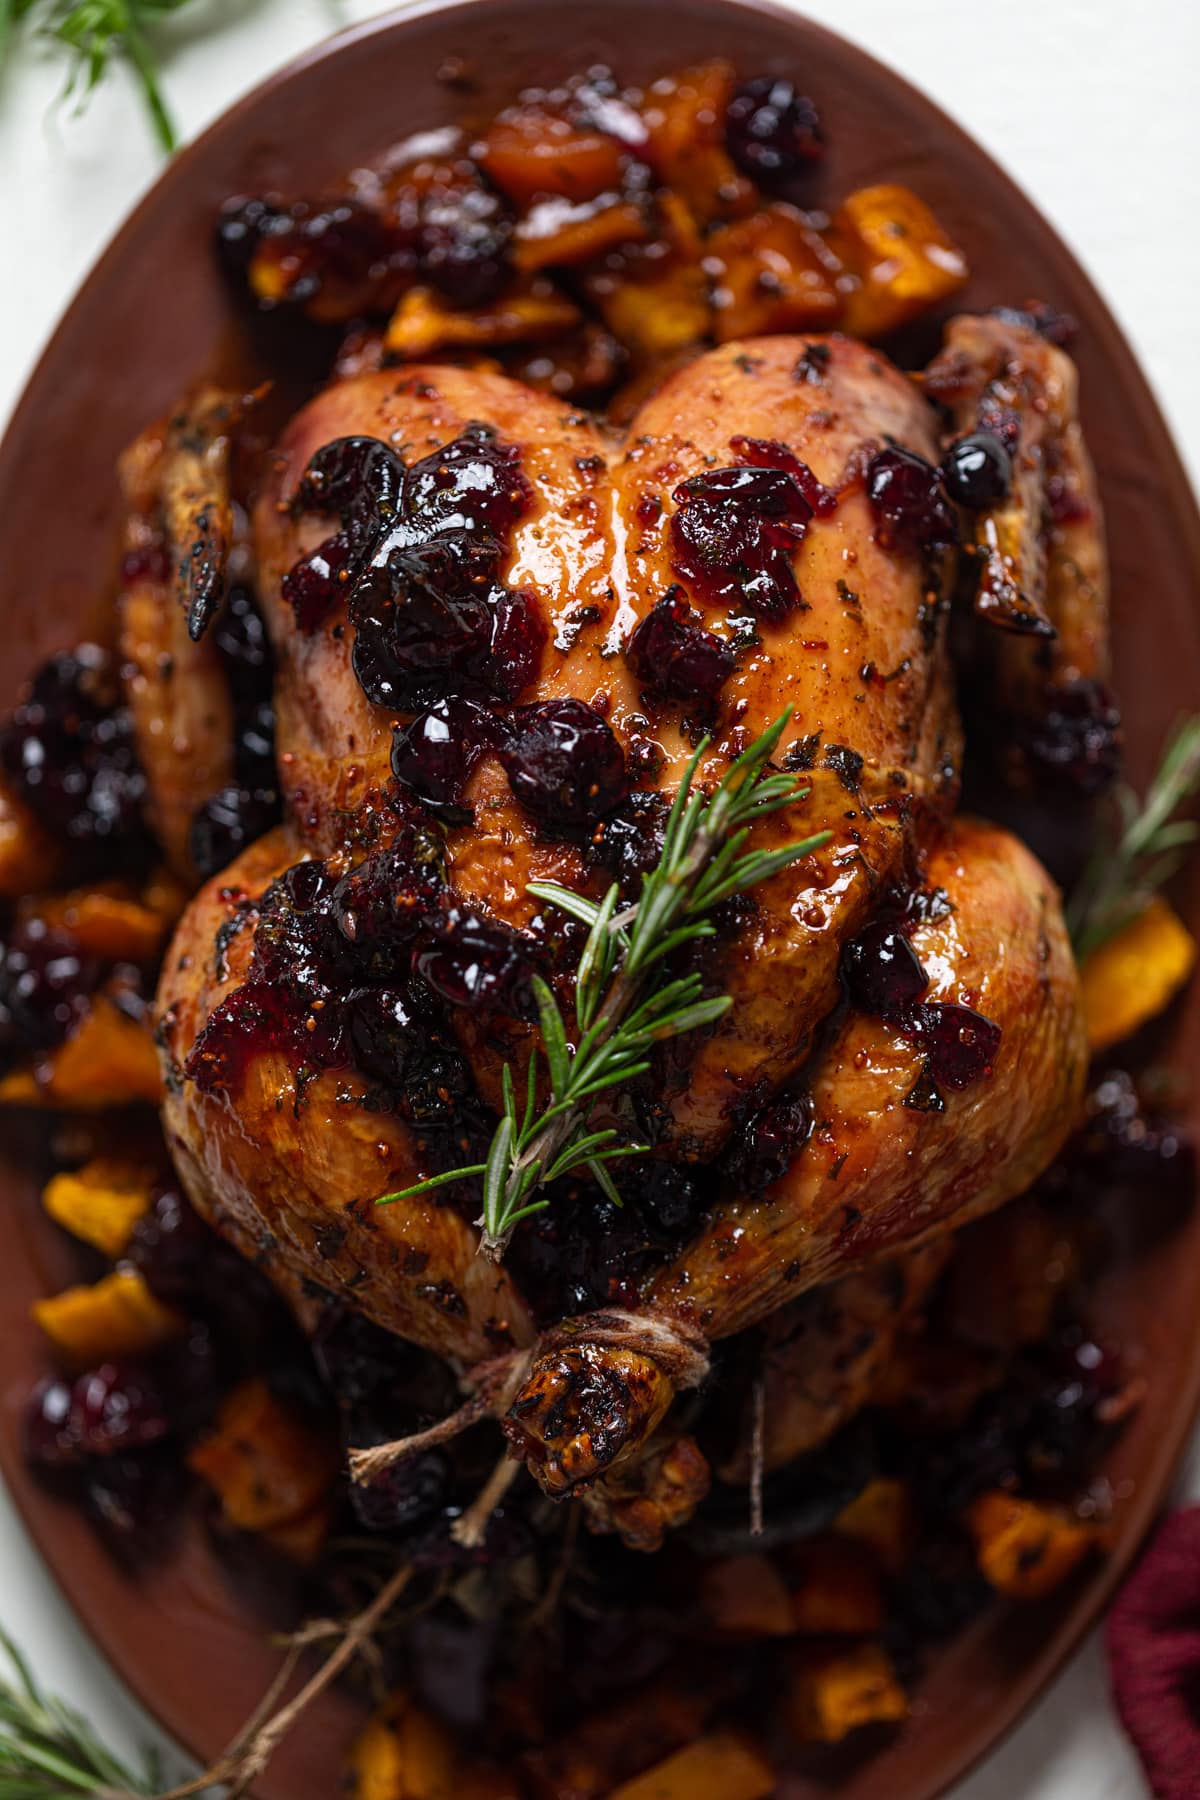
(883, 976)
(772, 131)
(628, 845)
(343, 973)
(766, 1146)
(769, 453)
(45, 982)
(436, 755)
(418, 558)
(1076, 739)
(977, 471)
(564, 762)
(909, 503)
(68, 749)
(672, 653)
(234, 817)
(735, 532)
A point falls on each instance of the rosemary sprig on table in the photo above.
(98, 33)
(623, 1006)
(1143, 850)
(48, 1751)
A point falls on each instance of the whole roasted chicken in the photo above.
(501, 632)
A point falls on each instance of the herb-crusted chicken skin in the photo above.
(500, 634)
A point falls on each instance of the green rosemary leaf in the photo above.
(554, 1038)
(566, 899)
(49, 1751)
(423, 1187)
(530, 1095)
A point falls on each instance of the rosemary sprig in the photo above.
(48, 1751)
(623, 1007)
(1143, 849)
(97, 33)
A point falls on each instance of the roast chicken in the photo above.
(882, 1136)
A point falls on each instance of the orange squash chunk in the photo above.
(266, 1467)
(565, 231)
(1023, 1549)
(530, 153)
(904, 261)
(776, 274)
(746, 1596)
(725, 1765)
(833, 1692)
(29, 856)
(101, 1202)
(685, 118)
(404, 1754)
(114, 1318)
(1127, 981)
(423, 323)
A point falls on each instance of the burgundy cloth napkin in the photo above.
(1154, 1657)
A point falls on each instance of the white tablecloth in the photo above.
(1091, 104)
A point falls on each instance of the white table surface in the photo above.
(1092, 106)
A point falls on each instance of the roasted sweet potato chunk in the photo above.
(1026, 1550)
(776, 274)
(883, 1519)
(115, 1318)
(904, 261)
(725, 1765)
(685, 119)
(108, 1060)
(530, 153)
(833, 1692)
(100, 1202)
(266, 1467)
(423, 324)
(563, 231)
(1132, 977)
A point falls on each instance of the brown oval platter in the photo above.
(185, 1636)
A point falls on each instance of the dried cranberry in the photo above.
(477, 963)
(1077, 736)
(226, 823)
(977, 471)
(336, 260)
(398, 1037)
(436, 755)
(169, 1245)
(48, 1426)
(772, 131)
(114, 1409)
(518, 638)
(769, 1143)
(881, 969)
(735, 533)
(960, 1045)
(473, 484)
(68, 748)
(45, 982)
(564, 763)
(357, 479)
(769, 453)
(428, 615)
(462, 237)
(910, 507)
(134, 1499)
(671, 652)
(629, 842)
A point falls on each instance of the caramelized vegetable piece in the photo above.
(645, 1725)
(265, 1466)
(834, 1692)
(404, 1754)
(725, 1765)
(562, 231)
(656, 309)
(835, 1590)
(777, 274)
(1133, 976)
(423, 323)
(904, 261)
(109, 1060)
(29, 856)
(685, 119)
(530, 153)
(101, 1202)
(1023, 1549)
(746, 1596)
(115, 1318)
(882, 1519)
(108, 921)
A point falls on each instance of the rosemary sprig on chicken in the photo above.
(623, 1007)
(1127, 868)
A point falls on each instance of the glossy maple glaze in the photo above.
(187, 1637)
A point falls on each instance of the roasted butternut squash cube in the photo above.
(109, 921)
(1131, 978)
(835, 1588)
(100, 1202)
(776, 274)
(883, 1519)
(833, 1692)
(725, 1765)
(559, 232)
(685, 121)
(108, 1060)
(114, 1318)
(29, 857)
(655, 310)
(404, 1754)
(1023, 1549)
(903, 260)
(266, 1467)
(746, 1596)
(530, 153)
(423, 323)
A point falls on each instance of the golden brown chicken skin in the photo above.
(860, 662)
